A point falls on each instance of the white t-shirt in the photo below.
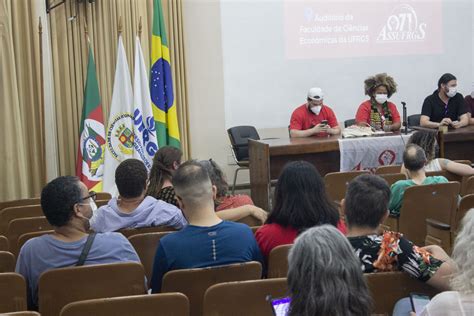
(450, 303)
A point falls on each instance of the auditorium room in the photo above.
(237, 157)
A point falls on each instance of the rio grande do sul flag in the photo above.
(90, 154)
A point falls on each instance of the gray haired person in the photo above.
(324, 275)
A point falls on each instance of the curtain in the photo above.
(22, 168)
(68, 23)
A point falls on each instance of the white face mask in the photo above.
(381, 98)
(93, 205)
(452, 92)
(316, 109)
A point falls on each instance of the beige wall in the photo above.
(205, 81)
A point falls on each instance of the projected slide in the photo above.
(332, 28)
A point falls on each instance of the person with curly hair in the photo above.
(378, 112)
(445, 107)
(426, 139)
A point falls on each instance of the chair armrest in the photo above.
(437, 224)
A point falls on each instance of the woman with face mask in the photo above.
(378, 112)
(445, 107)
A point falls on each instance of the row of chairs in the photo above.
(226, 290)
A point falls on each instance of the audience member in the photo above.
(224, 200)
(366, 207)
(414, 160)
(68, 206)
(378, 112)
(324, 276)
(165, 162)
(427, 140)
(445, 107)
(133, 209)
(300, 202)
(314, 118)
(207, 240)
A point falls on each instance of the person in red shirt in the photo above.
(378, 112)
(301, 202)
(314, 118)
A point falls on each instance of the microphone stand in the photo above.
(405, 121)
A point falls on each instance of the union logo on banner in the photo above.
(92, 148)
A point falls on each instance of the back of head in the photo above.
(300, 199)
(58, 198)
(324, 275)
(366, 201)
(131, 177)
(192, 185)
(445, 78)
(462, 256)
(426, 139)
(217, 176)
(162, 168)
(414, 158)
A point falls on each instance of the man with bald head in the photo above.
(207, 240)
(414, 161)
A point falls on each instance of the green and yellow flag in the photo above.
(161, 84)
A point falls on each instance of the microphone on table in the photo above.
(405, 123)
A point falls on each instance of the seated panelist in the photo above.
(314, 118)
(378, 112)
(445, 107)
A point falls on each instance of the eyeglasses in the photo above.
(92, 195)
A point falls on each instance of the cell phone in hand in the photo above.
(418, 302)
(324, 122)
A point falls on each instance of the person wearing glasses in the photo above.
(68, 207)
(445, 107)
(133, 208)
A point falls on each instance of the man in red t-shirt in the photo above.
(314, 118)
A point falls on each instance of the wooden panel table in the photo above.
(267, 158)
(458, 144)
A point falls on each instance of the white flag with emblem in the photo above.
(120, 132)
(146, 144)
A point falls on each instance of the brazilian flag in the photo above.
(161, 83)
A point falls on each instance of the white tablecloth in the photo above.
(368, 153)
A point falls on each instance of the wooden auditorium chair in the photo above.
(10, 213)
(12, 293)
(243, 298)
(194, 282)
(390, 169)
(391, 178)
(22, 202)
(7, 262)
(387, 288)
(175, 304)
(20, 226)
(146, 245)
(336, 183)
(4, 245)
(278, 262)
(59, 287)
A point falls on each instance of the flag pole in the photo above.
(120, 26)
(42, 110)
